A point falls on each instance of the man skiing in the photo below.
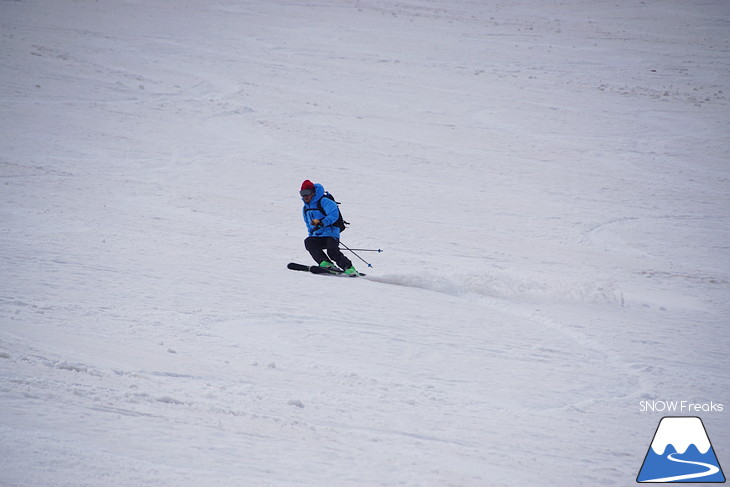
(320, 215)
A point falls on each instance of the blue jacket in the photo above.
(311, 212)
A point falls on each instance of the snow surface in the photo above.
(549, 180)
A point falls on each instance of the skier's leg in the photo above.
(333, 250)
(315, 246)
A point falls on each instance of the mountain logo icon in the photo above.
(680, 452)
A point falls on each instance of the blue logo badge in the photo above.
(681, 452)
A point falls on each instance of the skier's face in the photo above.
(307, 195)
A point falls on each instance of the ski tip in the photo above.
(297, 267)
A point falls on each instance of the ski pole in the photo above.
(365, 250)
(347, 248)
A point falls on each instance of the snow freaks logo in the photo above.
(680, 452)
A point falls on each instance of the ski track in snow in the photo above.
(492, 292)
(549, 182)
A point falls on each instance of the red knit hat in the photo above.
(307, 184)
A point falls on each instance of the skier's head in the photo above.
(307, 190)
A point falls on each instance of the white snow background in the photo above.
(549, 180)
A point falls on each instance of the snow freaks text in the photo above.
(681, 407)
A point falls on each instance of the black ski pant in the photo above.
(317, 245)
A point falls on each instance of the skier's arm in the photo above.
(332, 212)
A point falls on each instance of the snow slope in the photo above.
(549, 180)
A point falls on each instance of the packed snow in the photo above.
(549, 182)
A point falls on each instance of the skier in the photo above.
(320, 214)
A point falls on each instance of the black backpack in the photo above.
(340, 222)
